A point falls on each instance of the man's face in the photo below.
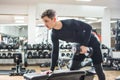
(49, 23)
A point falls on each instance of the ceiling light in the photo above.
(114, 21)
(19, 21)
(90, 18)
(19, 17)
(84, 0)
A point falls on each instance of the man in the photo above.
(73, 31)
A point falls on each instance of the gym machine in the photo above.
(18, 70)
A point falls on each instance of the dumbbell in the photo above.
(46, 53)
(76, 50)
(42, 65)
(35, 54)
(9, 46)
(40, 47)
(29, 47)
(9, 55)
(62, 47)
(4, 55)
(29, 54)
(68, 54)
(49, 47)
(35, 46)
(40, 54)
(4, 46)
(15, 46)
(45, 47)
(62, 54)
(68, 46)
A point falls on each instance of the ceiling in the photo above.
(9, 19)
(107, 3)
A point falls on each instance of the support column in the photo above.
(106, 28)
(31, 24)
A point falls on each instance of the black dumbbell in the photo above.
(62, 54)
(46, 53)
(62, 47)
(35, 54)
(68, 54)
(15, 46)
(47, 64)
(40, 47)
(49, 46)
(4, 55)
(9, 55)
(9, 46)
(68, 46)
(50, 55)
(29, 54)
(42, 64)
(45, 47)
(76, 50)
(40, 54)
(35, 46)
(29, 47)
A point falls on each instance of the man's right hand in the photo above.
(47, 72)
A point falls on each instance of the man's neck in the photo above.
(58, 25)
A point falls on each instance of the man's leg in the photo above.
(99, 71)
(76, 62)
(97, 57)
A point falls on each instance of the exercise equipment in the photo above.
(40, 47)
(9, 55)
(16, 46)
(29, 54)
(17, 59)
(40, 54)
(46, 54)
(18, 70)
(61, 75)
(35, 54)
(46, 64)
(68, 46)
(4, 55)
(76, 50)
(62, 54)
(35, 46)
(45, 47)
(29, 47)
(9, 46)
(50, 47)
(62, 46)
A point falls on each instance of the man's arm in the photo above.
(55, 51)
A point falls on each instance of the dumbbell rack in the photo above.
(36, 55)
(36, 59)
(6, 56)
(65, 55)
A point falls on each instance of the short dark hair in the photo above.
(50, 13)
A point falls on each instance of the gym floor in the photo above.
(110, 75)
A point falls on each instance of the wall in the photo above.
(23, 31)
(10, 30)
